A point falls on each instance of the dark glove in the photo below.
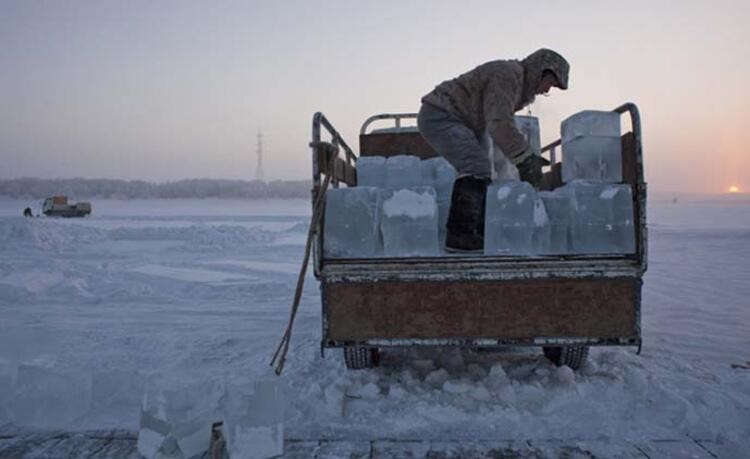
(530, 169)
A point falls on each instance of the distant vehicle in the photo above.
(58, 206)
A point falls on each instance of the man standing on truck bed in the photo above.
(453, 120)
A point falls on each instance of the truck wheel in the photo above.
(358, 357)
(572, 356)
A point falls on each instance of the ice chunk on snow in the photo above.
(176, 419)
(457, 387)
(480, 393)
(371, 171)
(402, 171)
(45, 397)
(509, 222)
(253, 420)
(497, 377)
(437, 378)
(369, 391)
(352, 219)
(409, 222)
(565, 375)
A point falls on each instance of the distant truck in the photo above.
(58, 206)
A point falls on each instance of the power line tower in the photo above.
(259, 154)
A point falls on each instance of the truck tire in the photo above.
(358, 357)
(572, 356)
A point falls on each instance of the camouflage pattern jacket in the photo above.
(487, 97)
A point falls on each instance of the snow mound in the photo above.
(46, 235)
(198, 236)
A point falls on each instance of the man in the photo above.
(453, 120)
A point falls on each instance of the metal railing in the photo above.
(319, 148)
(383, 116)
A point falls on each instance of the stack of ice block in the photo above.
(439, 174)
(254, 420)
(591, 147)
(402, 171)
(510, 219)
(409, 222)
(352, 221)
(371, 171)
(559, 207)
(602, 217)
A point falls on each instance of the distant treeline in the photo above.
(79, 188)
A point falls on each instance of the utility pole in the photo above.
(259, 154)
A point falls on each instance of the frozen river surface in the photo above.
(195, 289)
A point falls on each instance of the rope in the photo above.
(279, 356)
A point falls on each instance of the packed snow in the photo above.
(95, 310)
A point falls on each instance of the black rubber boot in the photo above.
(466, 217)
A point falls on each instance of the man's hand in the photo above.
(530, 169)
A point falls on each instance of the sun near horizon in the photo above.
(733, 189)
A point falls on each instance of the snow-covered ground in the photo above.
(196, 289)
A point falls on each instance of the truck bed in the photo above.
(478, 300)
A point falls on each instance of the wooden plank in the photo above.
(629, 160)
(391, 144)
(342, 172)
(518, 309)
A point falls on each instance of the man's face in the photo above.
(546, 83)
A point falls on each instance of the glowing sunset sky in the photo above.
(173, 89)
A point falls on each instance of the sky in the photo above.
(165, 90)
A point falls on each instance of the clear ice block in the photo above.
(501, 167)
(623, 217)
(559, 207)
(592, 158)
(591, 123)
(409, 222)
(541, 237)
(254, 420)
(176, 419)
(509, 219)
(439, 174)
(402, 171)
(50, 398)
(603, 218)
(371, 171)
(352, 220)
(591, 147)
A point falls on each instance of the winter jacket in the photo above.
(488, 96)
